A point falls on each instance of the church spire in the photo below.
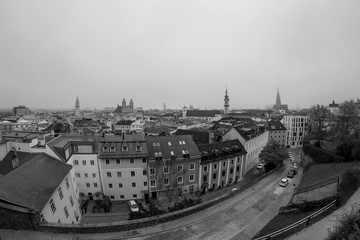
(226, 102)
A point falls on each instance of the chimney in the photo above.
(15, 160)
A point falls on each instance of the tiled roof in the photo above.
(32, 184)
(220, 149)
(202, 113)
(249, 133)
(124, 122)
(198, 136)
(6, 164)
(161, 144)
(275, 126)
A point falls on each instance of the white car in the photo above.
(284, 182)
(133, 206)
(260, 166)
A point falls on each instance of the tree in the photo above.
(347, 119)
(273, 153)
(318, 116)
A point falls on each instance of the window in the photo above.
(119, 175)
(133, 173)
(179, 168)
(110, 185)
(192, 177)
(71, 201)
(138, 148)
(179, 179)
(224, 164)
(108, 174)
(223, 173)
(185, 153)
(120, 185)
(105, 149)
(107, 161)
(112, 149)
(74, 148)
(179, 191)
(144, 160)
(66, 212)
(95, 185)
(86, 175)
(77, 174)
(191, 188)
(153, 183)
(84, 162)
(232, 161)
(87, 185)
(192, 166)
(67, 183)
(214, 176)
(156, 144)
(169, 143)
(52, 205)
(122, 197)
(94, 175)
(182, 142)
(166, 170)
(231, 170)
(205, 179)
(172, 154)
(205, 168)
(134, 195)
(125, 148)
(76, 162)
(132, 161)
(60, 193)
(166, 181)
(92, 162)
(145, 184)
(158, 155)
(215, 165)
(152, 171)
(133, 184)
(112, 197)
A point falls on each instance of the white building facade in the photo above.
(297, 129)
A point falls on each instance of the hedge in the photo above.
(320, 155)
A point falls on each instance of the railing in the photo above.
(318, 185)
(305, 220)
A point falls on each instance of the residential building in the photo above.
(205, 115)
(137, 126)
(20, 111)
(42, 186)
(123, 166)
(123, 126)
(81, 152)
(254, 139)
(6, 126)
(277, 132)
(173, 166)
(222, 163)
(297, 129)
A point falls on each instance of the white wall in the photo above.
(4, 150)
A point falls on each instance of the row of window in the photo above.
(85, 175)
(119, 174)
(111, 149)
(84, 162)
(179, 168)
(157, 144)
(118, 161)
(223, 174)
(215, 165)
(120, 185)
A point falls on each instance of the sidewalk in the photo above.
(148, 231)
(319, 230)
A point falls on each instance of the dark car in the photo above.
(291, 174)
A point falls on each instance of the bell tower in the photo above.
(226, 102)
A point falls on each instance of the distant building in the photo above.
(226, 103)
(277, 132)
(77, 106)
(278, 106)
(334, 108)
(205, 115)
(49, 192)
(222, 163)
(123, 126)
(200, 137)
(20, 111)
(297, 129)
(125, 108)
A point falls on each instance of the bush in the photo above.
(320, 155)
(308, 206)
(345, 226)
(269, 166)
(350, 181)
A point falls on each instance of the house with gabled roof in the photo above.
(277, 132)
(41, 187)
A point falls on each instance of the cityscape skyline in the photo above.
(178, 53)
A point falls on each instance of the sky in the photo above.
(178, 52)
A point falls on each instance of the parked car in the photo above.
(291, 173)
(284, 182)
(260, 166)
(133, 206)
(295, 168)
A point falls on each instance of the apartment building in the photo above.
(277, 132)
(297, 129)
(173, 166)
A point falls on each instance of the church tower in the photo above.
(131, 105)
(278, 101)
(226, 103)
(77, 106)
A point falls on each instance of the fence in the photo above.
(305, 220)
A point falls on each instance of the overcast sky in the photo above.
(178, 52)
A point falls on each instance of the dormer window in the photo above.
(138, 148)
(112, 149)
(125, 149)
(185, 153)
(156, 144)
(158, 155)
(75, 148)
(105, 149)
(182, 142)
(169, 143)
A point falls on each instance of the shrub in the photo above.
(320, 155)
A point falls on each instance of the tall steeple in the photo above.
(77, 106)
(226, 102)
(278, 101)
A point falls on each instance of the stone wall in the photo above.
(316, 194)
